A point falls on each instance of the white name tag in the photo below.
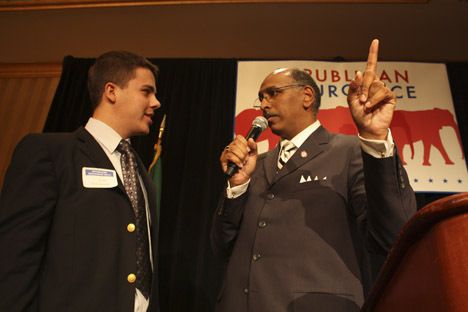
(99, 178)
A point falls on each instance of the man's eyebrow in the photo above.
(266, 88)
(152, 88)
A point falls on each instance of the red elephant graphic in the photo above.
(337, 120)
(425, 125)
(407, 128)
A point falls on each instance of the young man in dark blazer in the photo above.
(78, 223)
(294, 227)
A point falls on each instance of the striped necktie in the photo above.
(287, 150)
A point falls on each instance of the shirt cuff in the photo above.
(236, 191)
(378, 148)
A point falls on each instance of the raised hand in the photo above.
(371, 103)
(243, 153)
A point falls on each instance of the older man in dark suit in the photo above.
(78, 224)
(295, 222)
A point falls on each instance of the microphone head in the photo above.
(260, 122)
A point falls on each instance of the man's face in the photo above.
(283, 107)
(136, 102)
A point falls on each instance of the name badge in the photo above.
(99, 178)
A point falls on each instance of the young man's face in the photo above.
(136, 102)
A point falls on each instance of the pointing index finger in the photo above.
(370, 72)
(372, 57)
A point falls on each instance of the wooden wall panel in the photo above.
(26, 92)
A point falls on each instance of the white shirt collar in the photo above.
(104, 134)
(300, 138)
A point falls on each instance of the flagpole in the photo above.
(158, 144)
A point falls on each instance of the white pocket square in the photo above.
(308, 178)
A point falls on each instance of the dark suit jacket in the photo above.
(66, 247)
(296, 241)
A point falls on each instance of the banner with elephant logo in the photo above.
(424, 124)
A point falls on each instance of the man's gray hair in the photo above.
(302, 77)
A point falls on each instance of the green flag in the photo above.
(155, 169)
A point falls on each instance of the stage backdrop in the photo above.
(424, 124)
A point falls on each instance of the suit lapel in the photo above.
(150, 189)
(91, 148)
(311, 148)
(154, 214)
(271, 164)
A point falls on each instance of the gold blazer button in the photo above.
(131, 227)
(131, 278)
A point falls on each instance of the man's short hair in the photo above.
(117, 67)
(304, 78)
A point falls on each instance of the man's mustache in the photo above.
(268, 114)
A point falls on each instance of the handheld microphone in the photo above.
(258, 125)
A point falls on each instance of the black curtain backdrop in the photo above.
(198, 96)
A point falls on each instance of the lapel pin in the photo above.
(303, 154)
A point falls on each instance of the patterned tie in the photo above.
(135, 194)
(287, 150)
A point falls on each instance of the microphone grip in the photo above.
(232, 168)
(254, 133)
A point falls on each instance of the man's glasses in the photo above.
(270, 92)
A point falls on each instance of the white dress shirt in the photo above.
(109, 139)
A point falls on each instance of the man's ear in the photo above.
(309, 97)
(110, 92)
